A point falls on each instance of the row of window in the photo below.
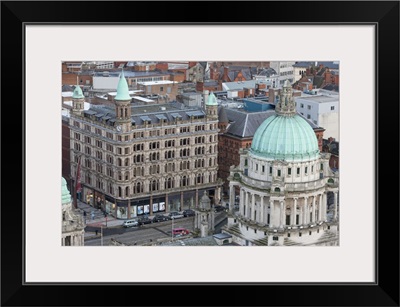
(140, 134)
(140, 147)
(297, 170)
(152, 186)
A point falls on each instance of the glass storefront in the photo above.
(174, 202)
(189, 200)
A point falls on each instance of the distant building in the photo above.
(283, 182)
(322, 110)
(285, 71)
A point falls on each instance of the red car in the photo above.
(180, 231)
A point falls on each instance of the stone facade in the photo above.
(144, 159)
(283, 185)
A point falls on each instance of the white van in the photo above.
(130, 223)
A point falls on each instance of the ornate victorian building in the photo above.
(73, 226)
(141, 159)
(283, 181)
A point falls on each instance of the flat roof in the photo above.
(144, 99)
(157, 82)
(319, 98)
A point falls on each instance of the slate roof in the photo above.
(333, 147)
(331, 87)
(330, 65)
(268, 72)
(152, 113)
(222, 117)
(244, 124)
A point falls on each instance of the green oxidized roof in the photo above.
(77, 92)
(212, 100)
(122, 89)
(65, 195)
(288, 138)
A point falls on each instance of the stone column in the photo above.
(313, 209)
(197, 198)
(271, 213)
(166, 203)
(294, 211)
(282, 214)
(301, 216)
(321, 207)
(324, 206)
(253, 204)
(335, 205)
(305, 221)
(262, 209)
(246, 204)
(241, 201)
(231, 197)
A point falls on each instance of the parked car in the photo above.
(160, 218)
(220, 208)
(180, 231)
(188, 212)
(175, 215)
(144, 220)
(130, 223)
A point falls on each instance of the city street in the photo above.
(144, 234)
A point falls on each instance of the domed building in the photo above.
(280, 186)
(73, 226)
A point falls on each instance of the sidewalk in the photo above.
(97, 219)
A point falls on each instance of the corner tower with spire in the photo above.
(212, 106)
(78, 100)
(123, 105)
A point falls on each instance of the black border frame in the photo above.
(383, 14)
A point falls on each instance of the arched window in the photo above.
(119, 192)
(127, 191)
(127, 162)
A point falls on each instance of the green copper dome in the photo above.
(77, 92)
(122, 89)
(288, 138)
(212, 100)
(65, 195)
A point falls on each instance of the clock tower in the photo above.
(123, 105)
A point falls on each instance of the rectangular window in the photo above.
(270, 169)
(161, 88)
(279, 172)
(298, 171)
(289, 171)
(309, 107)
(332, 108)
(256, 167)
(322, 167)
(305, 170)
(301, 105)
(308, 116)
(312, 169)
(263, 168)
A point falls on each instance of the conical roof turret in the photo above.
(122, 88)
